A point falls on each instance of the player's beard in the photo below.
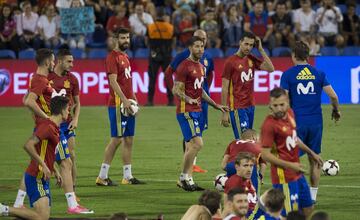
(279, 114)
(124, 46)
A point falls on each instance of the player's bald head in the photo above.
(201, 34)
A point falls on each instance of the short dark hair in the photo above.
(211, 200)
(246, 156)
(235, 191)
(247, 35)
(277, 92)
(295, 215)
(42, 55)
(301, 50)
(193, 39)
(321, 215)
(62, 53)
(281, 2)
(121, 31)
(274, 200)
(58, 104)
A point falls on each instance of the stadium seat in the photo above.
(230, 51)
(142, 53)
(78, 53)
(351, 51)
(27, 54)
(329, 51)
(215, 52)
(342, 8)
(96, 45)
(97, 54)
(7, 54)
(281, 52)
(256, 52)
(130, 53)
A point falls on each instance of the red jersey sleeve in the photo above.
(110, 64)
(181, 73)
(227, 151)
(75, 88)
(267, 134)
(227, 69)
(37, 86)
(257, 61)
(41, 131)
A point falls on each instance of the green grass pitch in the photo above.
(156, 159)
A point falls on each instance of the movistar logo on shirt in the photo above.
(305, 74)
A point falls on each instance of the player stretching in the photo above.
(304, 85)
(122, 127)
(41, 148)
(208, 63)
(189, 77)
(238, 84)
(281, 148)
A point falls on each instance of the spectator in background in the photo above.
(118, 20)
(270, 7)
(209, 203)
(66, 3)
(149, 7)
(186, 28)
(103, 11)
(161, 42)
(259, 23)
(305, 26)
(232, 22)
(26, 27)
(350, 26)
(49, 27)
(8, 37)
(282, 26)
(138, 23)
(211, 27)
(328, 18)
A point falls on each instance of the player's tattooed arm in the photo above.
(116, 87)
(179, 91)
(213, 103)
(30, 102)
(31, 150)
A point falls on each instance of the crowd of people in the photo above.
(36, 24)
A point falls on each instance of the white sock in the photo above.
(127, 172)
(184, 176)
(104, 170)
(4, 210)
(71, 199)
(194, 163)
(19, 202)
(313, 192)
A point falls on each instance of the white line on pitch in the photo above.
(205, 181)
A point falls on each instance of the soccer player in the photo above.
(38, 100)
(246, 144)
(304, 84)
(237, 199)
(244, 165)
(122, 127)
(41, 148)
(209, 203)
(66, 84)
(280, 147)
(238, 84)
(189, 77)
(274, 203)
(208, 64)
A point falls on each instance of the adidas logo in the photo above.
(305, 74)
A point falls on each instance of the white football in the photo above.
(220, 181)
(331, 168)
(134, 107)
